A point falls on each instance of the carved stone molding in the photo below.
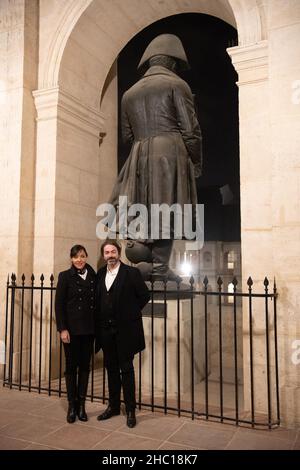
(251, 62)
(53, 103)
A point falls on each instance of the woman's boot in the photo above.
(71, 393)
(83, 380)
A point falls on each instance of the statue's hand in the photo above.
(197, 170)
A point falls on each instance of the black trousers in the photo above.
(120, 371)
(78, 353)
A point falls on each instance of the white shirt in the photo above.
(83, 275)
(111, 276)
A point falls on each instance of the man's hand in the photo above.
(65, 336)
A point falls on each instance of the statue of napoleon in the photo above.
(159, 121)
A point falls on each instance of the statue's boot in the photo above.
(161, 252)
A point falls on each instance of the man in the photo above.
(159, 120)
(121, 295)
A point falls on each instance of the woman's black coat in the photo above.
(75, 302)
(130, 296)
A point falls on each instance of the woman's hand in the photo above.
(65, 336)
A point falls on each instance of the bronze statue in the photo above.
(159, 120)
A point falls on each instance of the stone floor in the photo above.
(37, 422)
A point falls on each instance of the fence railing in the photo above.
(211, 351)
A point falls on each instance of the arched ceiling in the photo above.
(90, 34)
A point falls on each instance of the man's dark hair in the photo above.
(76, 249)
(111, 242)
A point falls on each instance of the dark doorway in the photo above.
(212, 79)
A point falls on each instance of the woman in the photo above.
(74, 310)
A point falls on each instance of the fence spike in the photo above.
(205, 281)
(266, 282)
(220, 282)
(192, 280)
(235, 281)
(23, 279)
(32, 278)
(13, 279)
(51, 278)
(42, 278)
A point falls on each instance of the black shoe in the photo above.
(108, 413)
(131, 419)
(71, 415)
(81, 413)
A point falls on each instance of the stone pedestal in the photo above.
(168, 361)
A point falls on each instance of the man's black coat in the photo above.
(130, 296)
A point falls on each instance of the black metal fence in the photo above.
(211, 349)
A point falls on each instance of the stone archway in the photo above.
(73, 175)
(78, 69)
(85, 41)
(246, 16)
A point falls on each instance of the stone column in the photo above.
(251, 64)
(67, 185)
(67, 178)
(18, 64)
(108, 152)
(284, 24)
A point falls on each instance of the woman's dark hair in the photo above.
(110, 242)
(75, 250)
